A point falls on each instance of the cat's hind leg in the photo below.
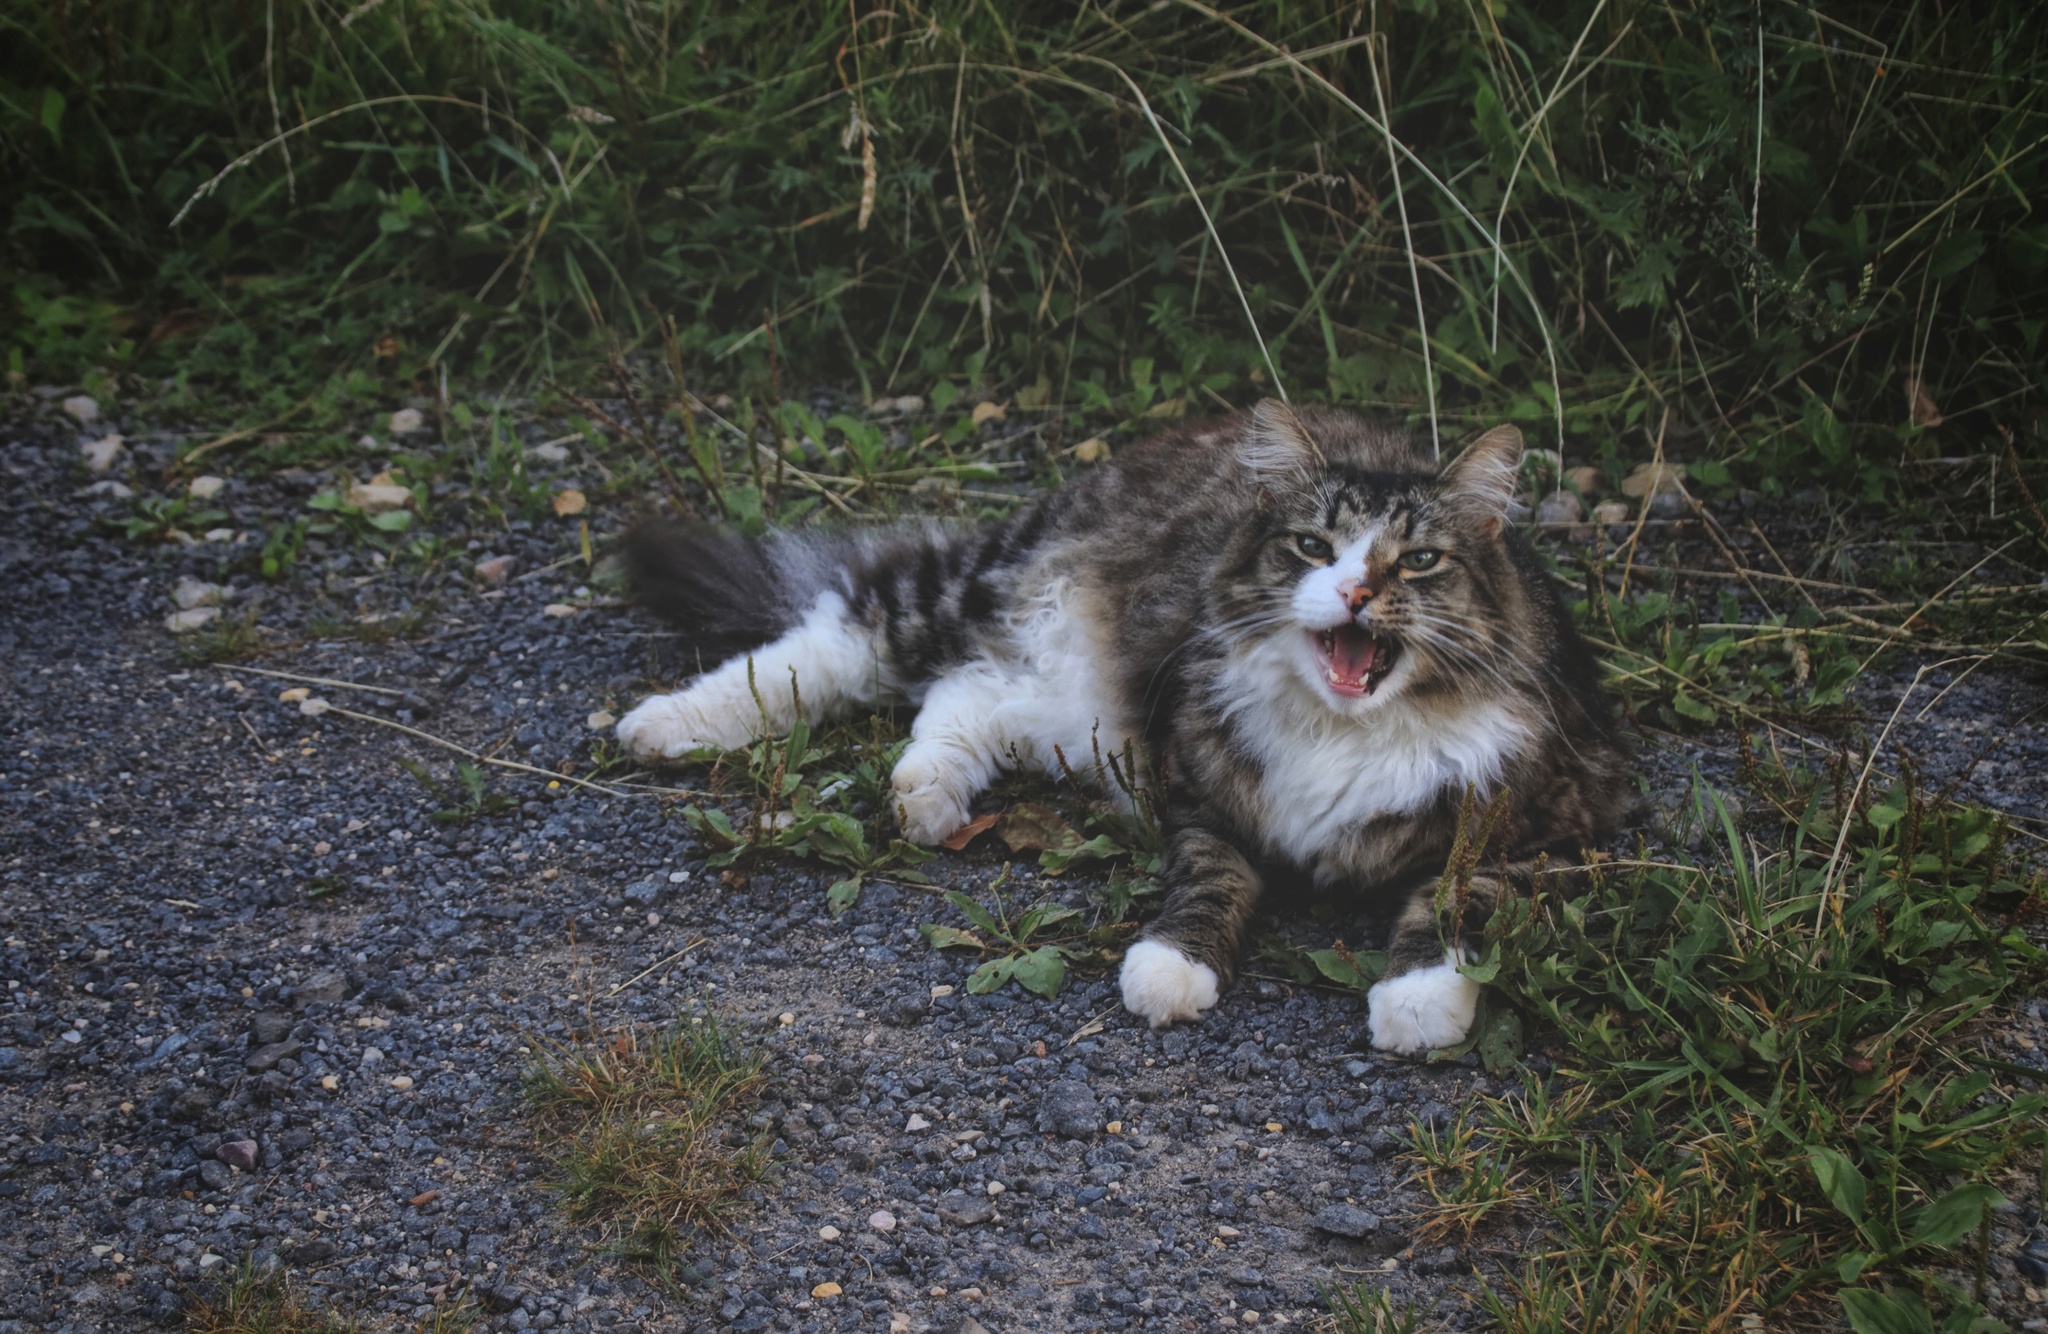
(830, 659)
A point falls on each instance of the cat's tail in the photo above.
(917, 593)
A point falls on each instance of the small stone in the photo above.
(205, 488)
(1611, 512)
(881, 1220)
(1589, 480)
(195, 618)
(1346, 1220)
(407, 420)
(1559, 507)
(401, 1082)
(269, 1026)
(1669, 505)
(218, 535)
(786, 1018)
(558, 610)
(215, 1174)
(324, 987)
(372, 1058)
(496, 570)
(192, 593)
(1274, 1127)
(996, 1188)
(269, 1054)
(1652, 479)
(552, 451)
(1069, 1109)
(824, 1290)
(240, 1154)
(966, 1210)
(1114, 1128)
(81, 408)
(330, 1082)
(1228, 1231)
(111, 488)
(599, 721)
(211, 1261)
(314, 707)
(916, 1123)
(570, 502)
(828, 1233)
(379, 497)
(102, 454)
(644, 892)
(1092, 450)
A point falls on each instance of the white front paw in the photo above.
(1422, 1010)
(929, 814)
(1162, 985)
(664, 727)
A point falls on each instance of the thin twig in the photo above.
(467, 753)
(233, 670)
(1628, 561)
(653, 966)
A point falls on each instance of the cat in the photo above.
(1322, 642)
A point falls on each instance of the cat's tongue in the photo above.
(1354, 655)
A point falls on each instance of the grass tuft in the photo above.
(644, 1133)
(253, 1302)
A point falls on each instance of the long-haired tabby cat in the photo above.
(1322, 641)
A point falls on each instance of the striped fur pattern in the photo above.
(1321, 641)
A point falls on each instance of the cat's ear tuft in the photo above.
(1483, 476)
(1277, 447)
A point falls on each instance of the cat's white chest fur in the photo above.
(1324, 774)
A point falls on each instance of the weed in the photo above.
(1770, 1102)
(643, 1130)
(225, 639)
(1032, 948)
(159, 518)
(249, 1301)
(471, 797)
(1359, 1309)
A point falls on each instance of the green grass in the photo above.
(1772, 1101)
(251, 1302)
(644, 1129)
(1781, 242)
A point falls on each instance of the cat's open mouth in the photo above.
(1354, 662)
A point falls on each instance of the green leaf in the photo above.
(1054, 861)
(950, 937)
(1040, 972)
(1954, 1216)
(53, 113)
(991, 975)
(1500, 1037)
(392, 521)
(1839, 1180)
(842, 894)
(1340, 967)
(1872, 1312)
(1691, 708)
(975, 913)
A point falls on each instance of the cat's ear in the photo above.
(1277, 447)
(1482, 478)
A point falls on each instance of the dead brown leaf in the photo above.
(968, 832)
(1030, 827)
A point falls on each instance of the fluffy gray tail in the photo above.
(726, 593)
(928, 588)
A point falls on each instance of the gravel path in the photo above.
(200, 1063)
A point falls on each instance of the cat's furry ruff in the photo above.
(1322, 641)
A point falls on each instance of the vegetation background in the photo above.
(1810, 231)
(1797, 246)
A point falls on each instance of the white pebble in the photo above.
(82, 409)
(205, 488)
(102, 454)
(192, 593)
(916, 1123)
(314, 707)
(406, 420)
(828, 1233)
(881, 1220)
(599, 721)
(996, 1188)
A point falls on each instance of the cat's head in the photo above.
(1370, 575)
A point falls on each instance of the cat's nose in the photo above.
(1356, 595)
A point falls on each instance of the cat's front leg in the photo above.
(1423, 1003)
(1189, 953)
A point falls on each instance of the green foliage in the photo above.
(469, 797)
(1759, 219)
(1031, 948)
(1768, 1103)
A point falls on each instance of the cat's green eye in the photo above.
(1313, 547)
(1420, 560)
